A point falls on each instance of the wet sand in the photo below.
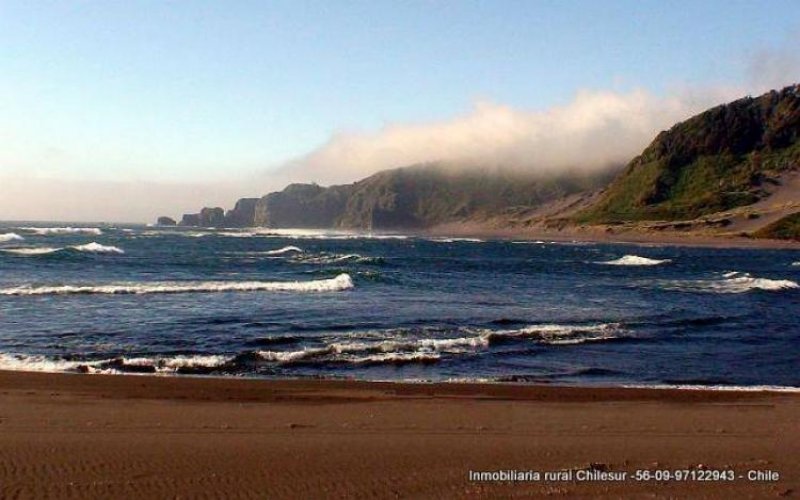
(98, 436)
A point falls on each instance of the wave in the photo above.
(796, 264)
(335, 258)
(733, 282)
(284, 250)
(634, 260)
(95, 247)
(5, 237)
(161, 364)
(31, 251)
(341, 282)
(367, 349)
(456, 240)
(44, 231)
(699, 387)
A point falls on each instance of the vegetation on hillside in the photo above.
(715, 161)
(787, 228)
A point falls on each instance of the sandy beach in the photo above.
(97, 436)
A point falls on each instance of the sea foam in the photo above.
(389, 349)
(341, 282)
(634, 260)
(732, 282)
(5, 237)
(95, 247)
(730, 388)
(31, 250)
(284, 250)
(157, 364)
(44, 231)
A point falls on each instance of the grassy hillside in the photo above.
(717, 160)
(787, 228)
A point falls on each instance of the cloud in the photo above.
(595, 130)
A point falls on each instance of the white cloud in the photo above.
(595, 130)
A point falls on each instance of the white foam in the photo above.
(733, 282)
(725, 388)
(95, 247)
(10, 237)
(22, 362)
(293, 356)
(43, 231)
(341, 282)
(429, 349)
(796, 263)
(556, 334)
(456, 240)
(38, 363)
(31, 251)
(172, 364)
(634, 260)
(284, 250)
(397, 358)
(332, 258)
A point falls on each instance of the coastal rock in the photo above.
(190, 220)
(166, 221)
(212, 217)
(243, 214)
(302, 206)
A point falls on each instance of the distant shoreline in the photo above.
(592, 234)
(601, 237)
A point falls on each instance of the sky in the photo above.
(126, 110)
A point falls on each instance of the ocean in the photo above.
(293, 304)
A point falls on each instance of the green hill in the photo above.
(715, 161)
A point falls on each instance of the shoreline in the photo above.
(603, 238)
(78, 436)
(592, 234)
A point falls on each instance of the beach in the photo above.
(128, 436)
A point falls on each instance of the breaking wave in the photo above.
(43, 231)
(634, 260)
(733, 282)
(456, 240)
(10, 237)
(701, 387)
(426, 350)
(355, 349)
(95, 247)
(335, 258)
(284, 250)
(160, 364)
(341, 282)
(31, 251)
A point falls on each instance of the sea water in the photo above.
(297, 303)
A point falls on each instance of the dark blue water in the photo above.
(226, 303)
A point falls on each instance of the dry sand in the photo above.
(96, 436)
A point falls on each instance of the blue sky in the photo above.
(165, 91)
